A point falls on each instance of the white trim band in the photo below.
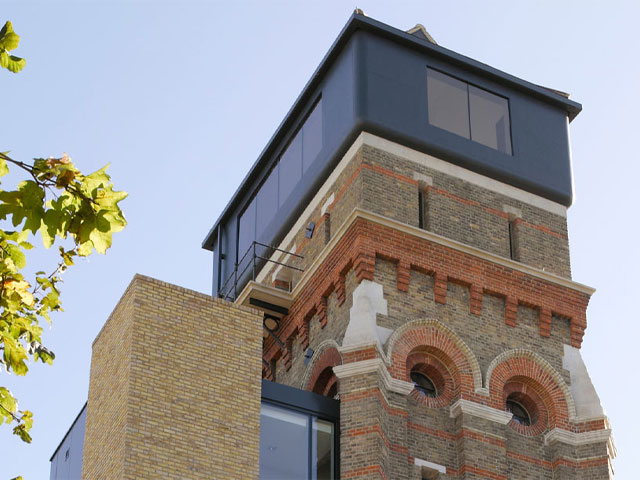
(370, 366)
(482, 411)
(576, 439)
(462, 173)
(430, 465)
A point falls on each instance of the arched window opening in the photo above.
(520, 413)
(326, 384)
(424, 384)
(524, 408)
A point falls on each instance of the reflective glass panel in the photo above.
(290, 168)
(312, 136)
(424, 384)
(520, 414)
(447, 103)
(267, 202)
(247, 230)
(284, 444)
(489, 119)
(323, 450)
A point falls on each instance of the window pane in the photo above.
(489, 119)
(267, 202)
(290, 168)
(447, 103)
(312, 136)
(323, 449)
(247, 231)
(284, 444)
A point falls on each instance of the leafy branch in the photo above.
(79, 212)
(82, 210)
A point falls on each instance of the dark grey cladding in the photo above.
(374, 79)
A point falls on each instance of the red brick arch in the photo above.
(320, 377)
(436, 339)
(521, 370)
(525, 392)
(437, 368)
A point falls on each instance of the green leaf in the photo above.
(101, 240)
(50, 225)
(9, 40)
(7, 402)
(85, 248)
(17, 255)
(4, 169)
(15, 64)
(21, 431)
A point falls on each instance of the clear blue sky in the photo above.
(181, 97)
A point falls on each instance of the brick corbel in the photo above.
(286, 356)
(304, 334)
(440, 288)
(475, 302)
(545, 322)
(403, 276)
(577, 332)
(510, 311)
(340, 289)
(364, 266)
(321, 308)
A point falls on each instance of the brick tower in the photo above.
(432, 293)
(403, 240)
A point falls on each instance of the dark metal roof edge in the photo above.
(548, 94)
(68, 431)
(355, 22)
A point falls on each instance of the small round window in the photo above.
(520, 414)
(424, 384)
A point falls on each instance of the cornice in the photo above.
(478, 410)
(576, 439)
(370, 366)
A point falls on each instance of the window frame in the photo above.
(475, 85)
(309, 403)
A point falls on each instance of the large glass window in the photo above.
(323, 449)
(267, 202)
(295, 445)
(468, 111)
(247, 229)
(489, 119)
(312, 136)
(448, 103)
(285, 176)
(284, 444)
(290, 168)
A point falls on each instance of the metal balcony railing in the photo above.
(247, 268)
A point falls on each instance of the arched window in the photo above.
(520, 413)
(423, 383)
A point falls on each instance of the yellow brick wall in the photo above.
(175, 388)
